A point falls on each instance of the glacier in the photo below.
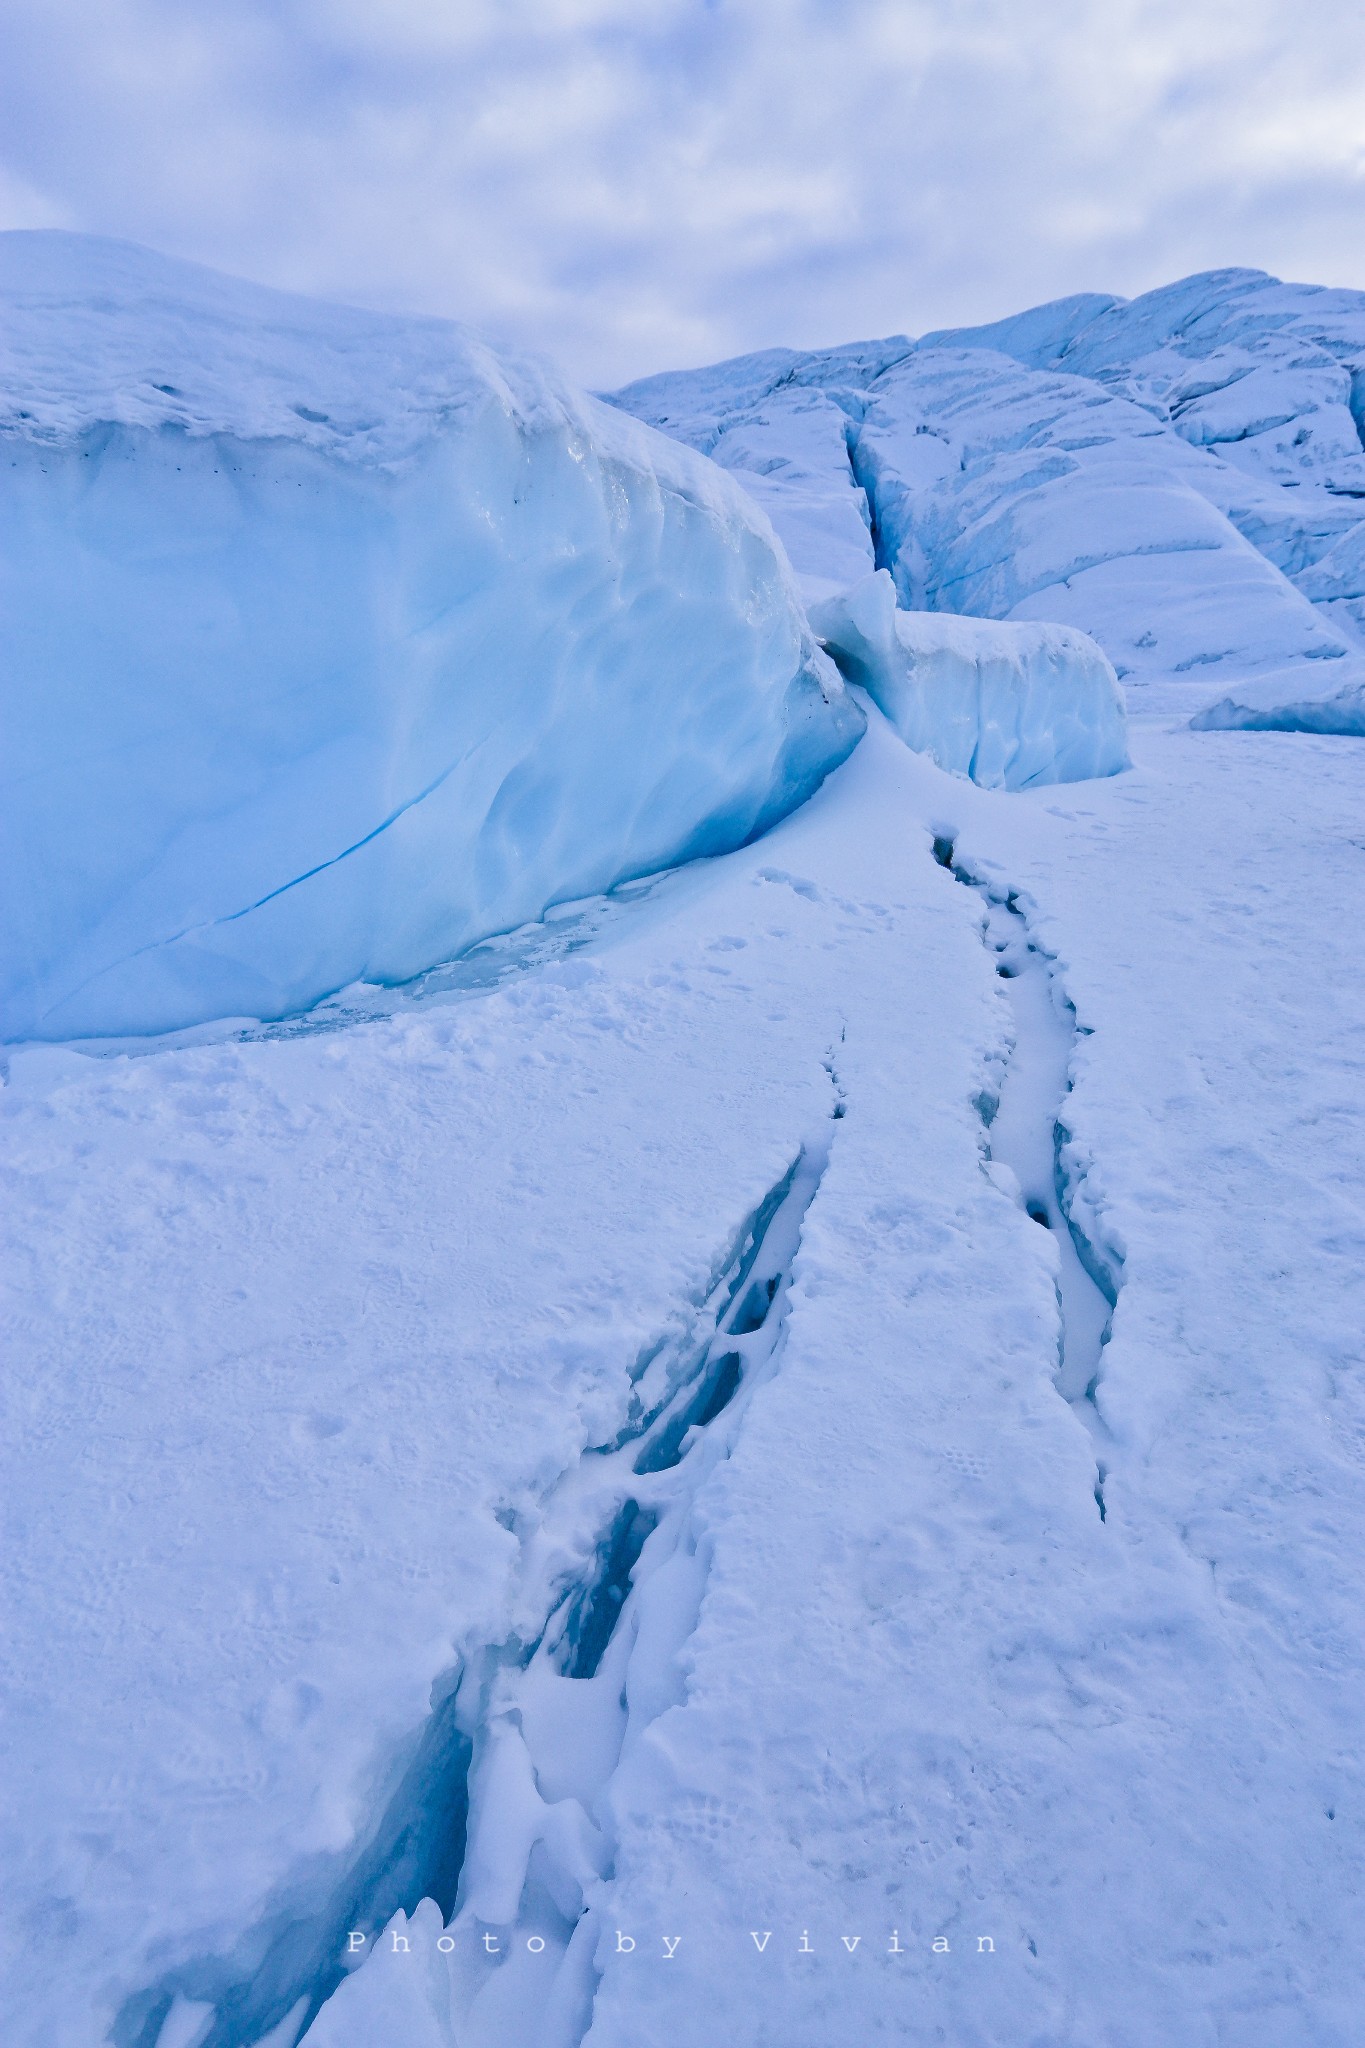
(774, 1456)
(333, 643)
(1180, 477)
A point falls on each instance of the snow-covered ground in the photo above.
(774, 1460)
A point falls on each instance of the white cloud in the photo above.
(23, 206)
(632, 185)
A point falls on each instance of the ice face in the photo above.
(1010, 706)
(332, 644)
(791, 454)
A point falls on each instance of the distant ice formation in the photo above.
(1180, 476)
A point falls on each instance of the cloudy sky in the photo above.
(630, 185)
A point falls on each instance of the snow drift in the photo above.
(333, 643)
(1008, 705)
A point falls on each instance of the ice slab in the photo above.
(1285, 701)
(333, 643)
(1008, 705)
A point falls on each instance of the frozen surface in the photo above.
(777, 1458)
(332, 643)
(1009, 705)
(352, 1308)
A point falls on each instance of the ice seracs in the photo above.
(332, 643)
(1180, 476)
(1008, 704)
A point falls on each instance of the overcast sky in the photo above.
(630, 185)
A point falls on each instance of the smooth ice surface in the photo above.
(331, 643)
(1009, 705)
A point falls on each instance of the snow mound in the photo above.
(333, 643)
(1010, 706)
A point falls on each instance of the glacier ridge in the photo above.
(1179, 476)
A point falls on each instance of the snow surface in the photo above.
(333, 643)
(1008, 705)
(776, 1457)
(349, 1306)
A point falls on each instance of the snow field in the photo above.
(1110, 1746)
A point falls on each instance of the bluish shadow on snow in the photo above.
(295, 1948)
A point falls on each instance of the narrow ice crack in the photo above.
(1026, 1131)
(503, 1812)
(618, 1544)
(487, 964)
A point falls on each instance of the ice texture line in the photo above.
(565, 929)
